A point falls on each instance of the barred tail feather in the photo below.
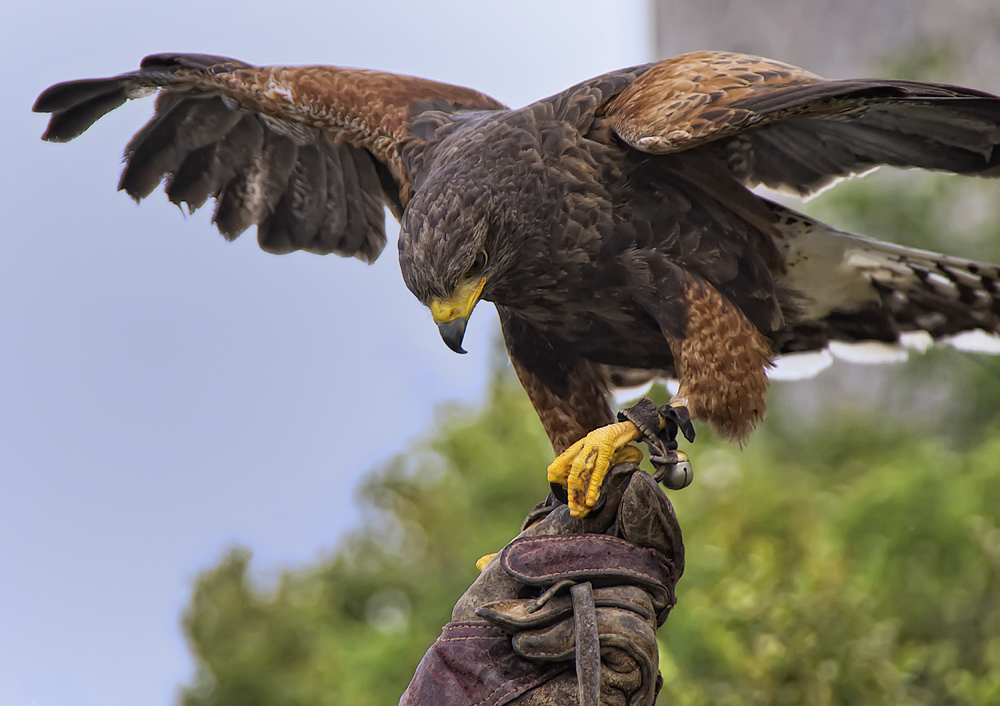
(851, 289)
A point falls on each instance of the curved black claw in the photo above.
(559, 493)
(680, 417)
(561, 496)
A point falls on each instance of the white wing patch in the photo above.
(868, 352)
(974, 342)
(623, 395)
(826, 268)
(798, 366)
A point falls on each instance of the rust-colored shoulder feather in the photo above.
(693, 98)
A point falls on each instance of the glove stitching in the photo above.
(618, 571)
(506, 687)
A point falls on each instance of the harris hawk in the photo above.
(611, 224)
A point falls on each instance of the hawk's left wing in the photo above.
(787, 128)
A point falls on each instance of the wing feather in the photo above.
(334, 216)
(252, 194)
(370, 238)
(298, 214)
(161, 147)
(353, 230)
(206, 171)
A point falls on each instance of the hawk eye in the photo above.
(478, 264)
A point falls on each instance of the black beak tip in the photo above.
(452, 334)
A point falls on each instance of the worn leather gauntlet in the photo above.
(567, 613)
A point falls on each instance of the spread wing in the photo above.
(308, 154)
(786, 128)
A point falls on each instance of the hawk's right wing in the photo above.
(308, 154)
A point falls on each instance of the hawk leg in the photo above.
(570, 396)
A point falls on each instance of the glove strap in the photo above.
(588, 646)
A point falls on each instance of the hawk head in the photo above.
(467, 232)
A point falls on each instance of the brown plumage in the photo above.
(611, 223)
(721, 361)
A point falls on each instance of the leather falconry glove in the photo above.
(567, 613)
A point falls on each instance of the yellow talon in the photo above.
(582, 467)
(484, 560)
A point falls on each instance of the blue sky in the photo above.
(165, 395)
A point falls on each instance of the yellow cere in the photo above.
(461, 302)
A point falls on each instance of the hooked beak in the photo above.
(452, 314)
(452, 333)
